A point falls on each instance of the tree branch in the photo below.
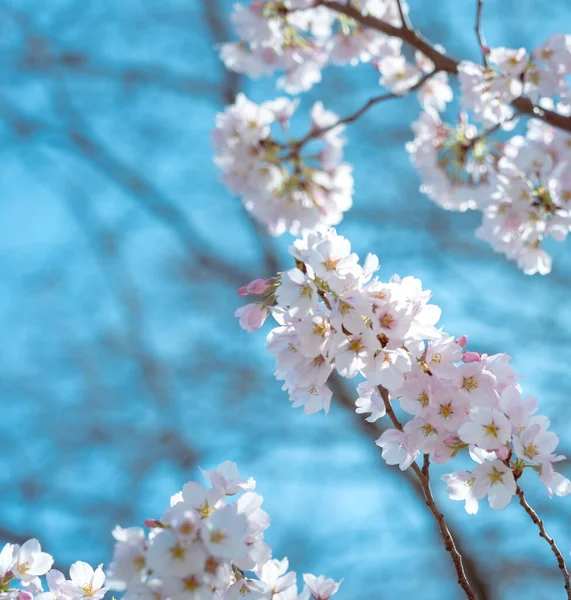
(406, 24)
(542, 533)
(441, 62)
(424, 478)
(479, 34)
(356, 115)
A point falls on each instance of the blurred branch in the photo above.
(214, 17)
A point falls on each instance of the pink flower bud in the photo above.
(470, 357)
(258, 287)
(22, 595)
(152, 523)
(252, 316)
(462, 341)
(485, 49)
(502, 452)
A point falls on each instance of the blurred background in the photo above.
(122, 367)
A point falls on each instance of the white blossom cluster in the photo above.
(462, 168)
(521, 186)
(299, 39)
(280, 186)
(22, 567)
(208, 545)
(334, 315)
(511, 73)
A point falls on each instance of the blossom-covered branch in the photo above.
(442, 61)
(521, 186)
(333, 314)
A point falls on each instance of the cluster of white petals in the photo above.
(334, 315)
(208, 545)
(522, 186)
(511, 73)
(282, 187)
(522, 203)
(298, 39)
(22, 568)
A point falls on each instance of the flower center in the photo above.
(217, 536)
(495, 476)
(531, 450)
(423, 398)
(331, 263)
(491, 429)
(470, 384)
(388, 320)
(446, 410)
(190, 583)
(177, 552)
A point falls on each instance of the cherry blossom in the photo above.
(281, 186)
(335, 315)
(208, 545)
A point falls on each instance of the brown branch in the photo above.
(479, 581)
(406, 24)
(479, 34)
(542, 533)
(424, 478)
(356, 115)
(441, 61)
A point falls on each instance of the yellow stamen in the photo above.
(177, 552)
(217, 536)
(331, 264)
(190, 583)
(205, 510)
(446, 410)
(388, 320)
(491, 429)
(356, 346)
(423, 398)
(531, 450)
(495, 476)
(470, 384)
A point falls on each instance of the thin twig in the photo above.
(315, 133)
(441, 61)
(542, 533)
(424, 478)
(479, 33)
(403, 17)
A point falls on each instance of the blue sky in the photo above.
(123, 369)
